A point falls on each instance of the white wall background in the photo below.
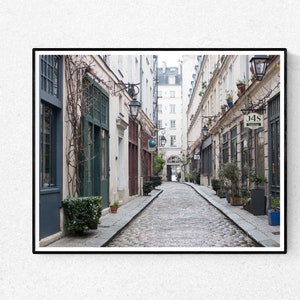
(124, 23)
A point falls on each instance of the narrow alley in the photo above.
(180, 217)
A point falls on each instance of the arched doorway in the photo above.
(173, 165)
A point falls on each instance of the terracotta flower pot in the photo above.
(113, 209)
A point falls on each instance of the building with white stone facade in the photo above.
(170, 121)
(88, 143)
(227, 137)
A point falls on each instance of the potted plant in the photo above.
(258, 202)
(215, 183)
(274, 212)
(147, 187)
(209, 122)
(246, 195)
(241, 85)
(82, 213)
(223, 109)
(229, 98)
(114, 207)
(231, 172)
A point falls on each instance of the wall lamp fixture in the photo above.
(163, 141)
(259, 64)
(134, 105)
(204, 129)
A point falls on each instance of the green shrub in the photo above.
(156, 180)
(147, 187)
(178, 176)
(158, 163)
(82, 212)
(215, 183)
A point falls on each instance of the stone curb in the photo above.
(111, 224)
(255, 233)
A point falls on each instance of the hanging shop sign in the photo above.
(152, 143)
(196, 156)
(253, 120)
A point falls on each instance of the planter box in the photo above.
(258, 202)
(247, 207)
(273, 217)
(235, 201)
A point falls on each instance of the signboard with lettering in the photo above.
(253, 120)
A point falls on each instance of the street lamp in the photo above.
(163, 141)
(259, 64)
(204, 130)
(134, 106)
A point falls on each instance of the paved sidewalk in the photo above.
(111, 224)
(256, 227)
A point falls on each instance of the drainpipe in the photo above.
(141, 81)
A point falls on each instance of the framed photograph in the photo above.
(159, 150)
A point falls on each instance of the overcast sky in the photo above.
(171, 58)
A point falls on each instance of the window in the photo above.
(172, 94)
(159, 94)
(173, 140)
(259, 153)
(173, 124)
(50, 121)
(244, 152)
(172, 108)
(49, 74)
(225, 148)
(96, 103)
(48, 146)
(159, 108)
(159, 124)
(233, 144)
(171, 79)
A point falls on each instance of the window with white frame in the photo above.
(173, 140)
(159, 108)
(172, 108)
(159, 124)
(172, 124)
(171, 79)
(172, 94)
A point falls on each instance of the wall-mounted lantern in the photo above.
(259, 64)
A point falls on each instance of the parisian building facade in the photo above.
(88, 142)
(220, 105)
(170, 112)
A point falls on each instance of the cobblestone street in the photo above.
(180, 217)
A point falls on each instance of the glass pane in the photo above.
(278, 152)
(260, 154)
(48, 146)
(104, 155)
(89, 154)
(49, 74)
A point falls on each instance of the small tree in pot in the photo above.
(231, 172)
(258, 202)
